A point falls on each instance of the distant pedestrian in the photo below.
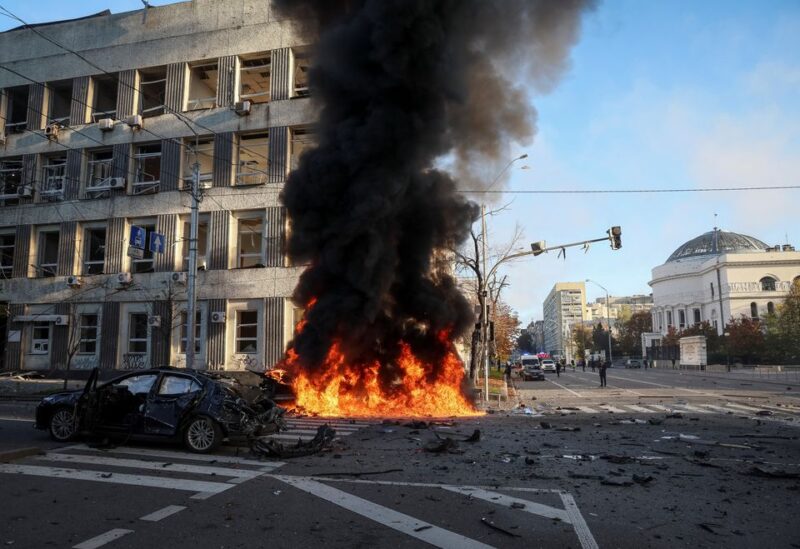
(573, 364)
(602, 368)
(645, 364)
(558, 369)
(583, 364)
(593, 364)
(508, 372)
(673, 363)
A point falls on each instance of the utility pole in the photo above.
(484, 308)
(608, 317)
(192, 275)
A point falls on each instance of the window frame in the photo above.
(10, 168)
(107, 167)
(84, 328)
(54, 176)
(202, 251)
(205, 149)
(237, 339)
(255, 169)
(152, 83)
(768, 284)
(145, 339)
(99, 81)
(202, 103)
(86, 262)
(244, 67)
(46, 270)
(56, 88)
(139, 161)
(240, 256)
(40, 325)
(148, 257)
(5, 254)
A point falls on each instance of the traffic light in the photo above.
(615, 237)
(538, 247)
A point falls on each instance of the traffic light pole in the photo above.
(191, 292)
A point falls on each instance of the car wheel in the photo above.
(63, 425)
(202, 435)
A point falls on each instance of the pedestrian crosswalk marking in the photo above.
(613, 409)
(729, 407)
(743, 407)
(691, 408)
(639, 409)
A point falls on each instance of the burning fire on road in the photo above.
(417, 100)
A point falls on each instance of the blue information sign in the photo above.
(138, 235)
(157, 243)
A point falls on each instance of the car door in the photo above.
(173, 397)
(120, 404)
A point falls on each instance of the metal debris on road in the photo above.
(492, 525)
(267, 446)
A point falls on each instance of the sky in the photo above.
(659, 95)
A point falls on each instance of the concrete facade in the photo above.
(717, 287)
(69, 196)
(564, 306)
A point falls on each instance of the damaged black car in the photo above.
(198, 408)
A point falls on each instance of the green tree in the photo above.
(745, 339)
(630, 332)
(525, 342)
(581, 339)
(786, 325)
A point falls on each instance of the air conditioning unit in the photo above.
(116, 183)
(124, 279)
(51, 131)
(25, 191)
(218, 317)
(61, 320)
(135, 121)
(179, 277)
(105, 124)
(242, 108)
(73, 282)
(154, 321)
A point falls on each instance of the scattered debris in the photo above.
(492, 525)
(586, 476)
(357, 473)
(758, 435)
(611, 458)
(633, 421)
(707, 526)
(641, 479)
(763, 413)
(763, 472)
(266, 446)
(421, 528)
(416, 424)
(517, 505)
(675, 415)
(545, 425)
(443, 445)
(580, 457)
(569, 429)
(610, 481)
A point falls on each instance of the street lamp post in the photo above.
(484, 293)
(608, 318)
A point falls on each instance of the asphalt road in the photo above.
(579, 466)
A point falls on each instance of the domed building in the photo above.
(721, 275)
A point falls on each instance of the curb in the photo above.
(19, 453)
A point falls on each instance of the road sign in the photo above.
(138, 236)
(135, 253)
(157, 243)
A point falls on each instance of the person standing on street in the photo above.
(592, 365)
(573, 364)
(558, 368)
(602, 368)
(583, 364)
(508, 372)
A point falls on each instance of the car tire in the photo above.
(62, 425)
(202, 435)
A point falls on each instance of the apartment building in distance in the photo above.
(90, 150)
(617, 306)
(564, 306)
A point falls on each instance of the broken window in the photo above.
(47, 263)
(302, 61)
(202, 85)
(202, 243)
(145, 264)
(54, 177)
(17, 109)
(254, 78)
(87, 330)
(247, 332)
(104, 100)
(7, 243)
(146, 169)
(152, 91)
(10, 180)
(94, 250)
(60, 94)
(99, 170)
(251, 242)
(40, 338)
(251, 166)
(172, 385)
(200, 151)
(302, 140)
(137, 334)
(198, 328)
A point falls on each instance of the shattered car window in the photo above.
(178, 385)
(139, 385)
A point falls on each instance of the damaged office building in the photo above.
(101, 124)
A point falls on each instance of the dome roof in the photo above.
(717, 242)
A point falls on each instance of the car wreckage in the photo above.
(201, 409)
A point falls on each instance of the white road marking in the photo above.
(201, 486)
(743, 407)
(717, 408)
(640, 409)
(660, 385)
(102, 539)
(610, 408)
(783, 409)
(506, 501)
(167, 511)
(243, 474)
(575, 517)
(578, 523)
(565, 388)
(176, 455)
(660, 407)
(311, 432)
(691, 408)
(587, 409)
(434, 535)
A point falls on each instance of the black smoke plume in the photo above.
(404, 87)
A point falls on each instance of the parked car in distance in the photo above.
(197, 408)
(548, 365)
(633, 363)
(532, 372)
